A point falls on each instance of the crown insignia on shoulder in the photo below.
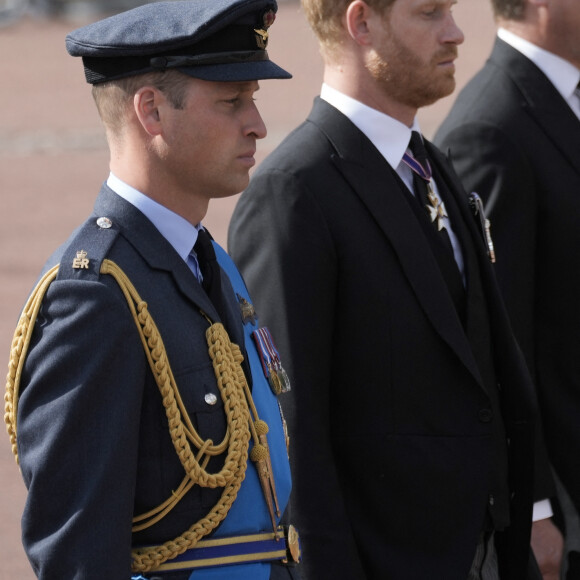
(81, 261)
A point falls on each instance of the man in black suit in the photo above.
(514, 137)
(405, 372)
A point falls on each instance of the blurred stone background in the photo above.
(53, 158)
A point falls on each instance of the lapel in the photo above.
(541, 100)
(155, 250)
(375, 183)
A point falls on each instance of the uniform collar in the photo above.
(181, 234)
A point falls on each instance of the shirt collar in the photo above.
(389, 136)
(181, 234)
(561, 73)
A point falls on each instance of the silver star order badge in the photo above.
(437, 210)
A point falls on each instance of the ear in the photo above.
(146, 103)
(357, 20)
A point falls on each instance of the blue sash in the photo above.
(249, 513)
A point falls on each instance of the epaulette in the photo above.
(86, 250)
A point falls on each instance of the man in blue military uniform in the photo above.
(151, 443)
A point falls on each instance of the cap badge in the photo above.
(262, 33)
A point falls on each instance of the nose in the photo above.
(453, 34)
(256, 125)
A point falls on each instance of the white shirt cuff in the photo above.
(542, 510)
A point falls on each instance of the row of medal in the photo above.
(271, 363)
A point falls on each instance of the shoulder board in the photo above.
(85, 251)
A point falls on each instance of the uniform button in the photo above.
(485, 415)
(104, 223)
(210, 399)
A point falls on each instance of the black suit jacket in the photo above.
(514, 140)
(392, 434)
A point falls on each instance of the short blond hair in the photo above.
(325, 18)
(113, 98)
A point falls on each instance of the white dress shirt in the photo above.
(181, 234)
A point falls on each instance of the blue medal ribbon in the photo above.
(424, 172)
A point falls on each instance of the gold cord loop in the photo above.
(241, 415)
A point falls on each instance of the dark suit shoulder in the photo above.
(302, 150)
(472, 106)
(501, 94)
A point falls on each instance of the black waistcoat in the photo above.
(476, 324)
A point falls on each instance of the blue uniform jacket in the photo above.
(93, 437)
